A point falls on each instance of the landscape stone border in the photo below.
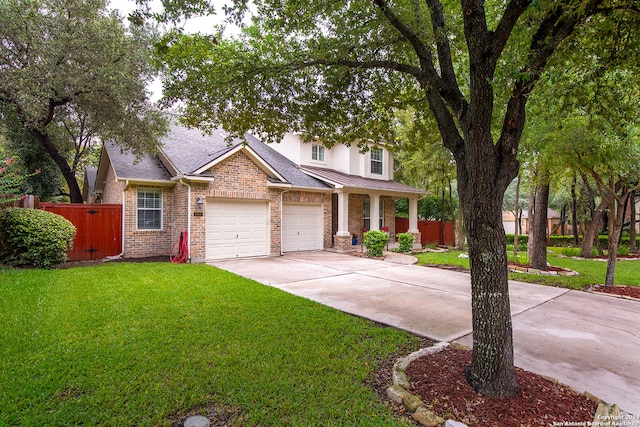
(399, 392)
(531, 270)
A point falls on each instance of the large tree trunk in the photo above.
(460, 234)
(616, 219)
(574, 213)
(491, 372)
(538, 254)
(516, 218)
(633, 247)
(75, 193)
(591, 231)
(531, 214)
(452, 213)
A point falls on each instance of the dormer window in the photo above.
(376, 160)
(317, 153)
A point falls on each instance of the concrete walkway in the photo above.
(588, 341)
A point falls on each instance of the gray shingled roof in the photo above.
(188, 150)
(354, 181)
(285, 167)
(147, 168)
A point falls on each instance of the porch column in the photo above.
(413, 222)
(413, 215)
(342, 239)
(374, 212)
(343, 214)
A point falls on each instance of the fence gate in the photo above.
(99, 229)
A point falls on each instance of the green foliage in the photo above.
(405, 241)
(83, 76)
(569, 251)
(520, 258)
(561, 241)
(374, 241)
(32, 156)
(522, 239)
(35, 237)
(623, 250)
(10, 181)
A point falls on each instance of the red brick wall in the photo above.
(146, 243)
(237, 177)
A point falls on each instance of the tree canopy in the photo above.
(62, 62)
(338, 71)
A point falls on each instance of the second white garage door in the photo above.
(302, 227)
(236, 229)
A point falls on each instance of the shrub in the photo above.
(374, 241)
(405, 241)
(623, 250)
(569, 252)
(31, 236)
(521, 258)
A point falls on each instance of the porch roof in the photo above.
(342, 180)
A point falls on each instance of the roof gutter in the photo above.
(193, 178)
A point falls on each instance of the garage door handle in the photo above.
(237, 235)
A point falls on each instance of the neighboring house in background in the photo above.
(247, 198)
(89, 185)
(553, 222)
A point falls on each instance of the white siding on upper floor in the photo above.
(342, 158)
(291, 147)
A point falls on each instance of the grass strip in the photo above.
(591, 272)
(132, 344)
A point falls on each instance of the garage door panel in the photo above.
(236, 229)
(302, 228)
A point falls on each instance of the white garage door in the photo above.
(236, 229)
(302, 227)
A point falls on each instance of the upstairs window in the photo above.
(376, 160)
(317, 153)
(149, 209)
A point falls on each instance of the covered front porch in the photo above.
(356, 212)
(361, 204)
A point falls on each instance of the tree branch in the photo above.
(452, 92)
(511, 15)
(373, 64)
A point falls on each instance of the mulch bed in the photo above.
(626, 291)
(439, 381)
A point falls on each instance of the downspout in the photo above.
(282, 217)
(188, 218)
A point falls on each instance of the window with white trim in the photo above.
(317, 153)
(367, 214)
(149, 209)
(376, 160)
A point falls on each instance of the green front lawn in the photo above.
(591, 272)
(136, 344)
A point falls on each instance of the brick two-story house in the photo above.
(247, 198)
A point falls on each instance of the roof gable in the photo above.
(250, 153)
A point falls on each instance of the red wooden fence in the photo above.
(99, 229)
(430, 230)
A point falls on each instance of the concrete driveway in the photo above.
(588, 341)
